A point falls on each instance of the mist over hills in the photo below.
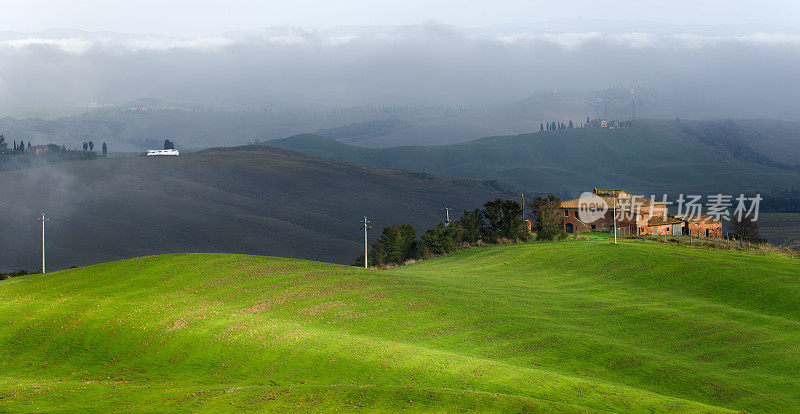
(252, 199)
(144, 123)
(423, 84)
(227, 272)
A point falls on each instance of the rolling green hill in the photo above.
(654, 157)
(572, 326)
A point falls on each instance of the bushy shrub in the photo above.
(4, 276)
(442, 239)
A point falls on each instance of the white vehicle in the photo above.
(152, 153)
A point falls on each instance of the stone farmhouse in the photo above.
(602, 123)
(634, 215)
(702, 226)
(39, 149)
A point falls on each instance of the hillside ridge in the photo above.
(654, 157)
(251, 199)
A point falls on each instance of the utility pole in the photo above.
(615, 215)
(446, 216)
(43, 219)
(523, 213)
(365, 226)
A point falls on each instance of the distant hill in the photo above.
(578, 326)
(251, 199)
(655, 156)
(145, 123)
(777, 141)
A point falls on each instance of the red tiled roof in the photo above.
(662, 221)
(623, 201)
(700, 219)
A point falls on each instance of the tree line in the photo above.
(89, 146)
(498, 222)
(21, 148)
(555, 126)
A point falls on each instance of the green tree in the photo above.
(512, 220)
(396, 245)
(471, 223)
(545, 216)
(442, 239)
(85, 146)
(503, 220)
(169, 144)
(3, 143)
(91, 146)
(745, 229)
(105, 149)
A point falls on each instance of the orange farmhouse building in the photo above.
(635, 215)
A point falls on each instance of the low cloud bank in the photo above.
(742, 73)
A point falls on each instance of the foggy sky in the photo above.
(214, 17)
(753, 71)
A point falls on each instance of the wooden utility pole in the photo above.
(523, 213)
(615, 215)
(365, 226)
(43, 219)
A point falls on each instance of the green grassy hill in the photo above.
(573, 326)
(656, 156)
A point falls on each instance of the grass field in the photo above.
(572, 326)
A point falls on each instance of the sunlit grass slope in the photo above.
(573, 326)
